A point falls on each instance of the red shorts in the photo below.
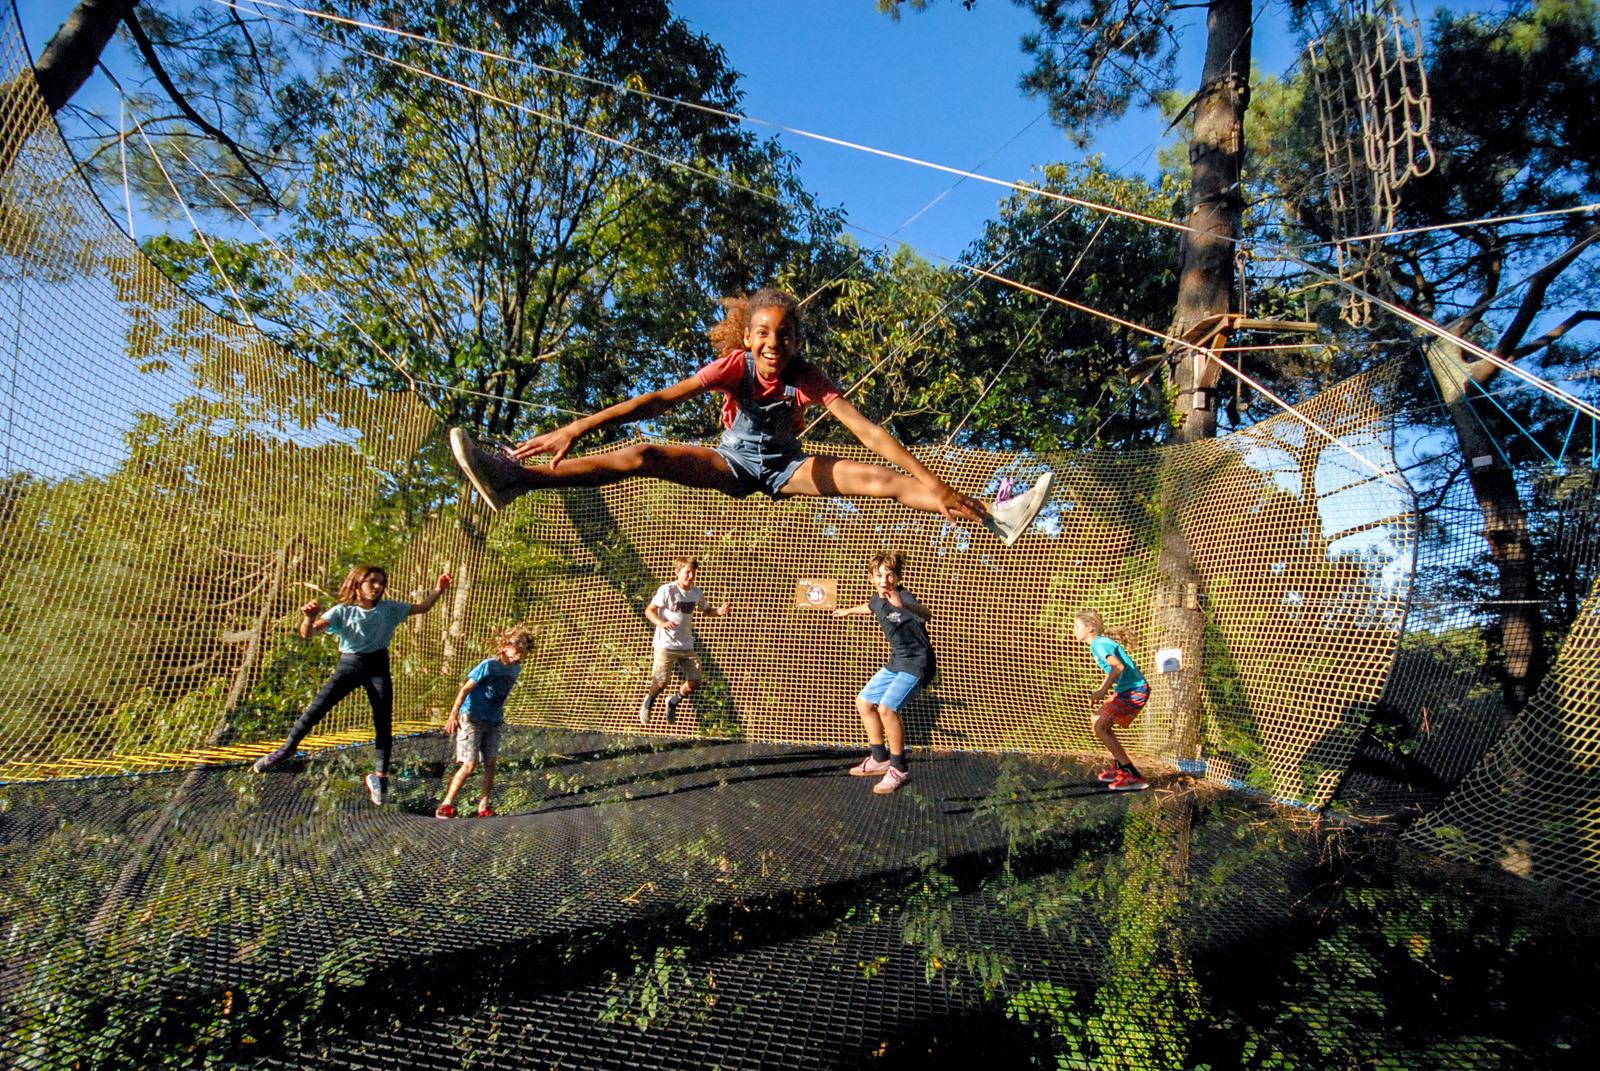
(1125, 706)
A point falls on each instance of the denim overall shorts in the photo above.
(761, 447)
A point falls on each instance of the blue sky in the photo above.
(941, 85)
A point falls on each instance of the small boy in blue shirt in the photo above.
(477, 717)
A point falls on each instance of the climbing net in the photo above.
(1372, 100)
(176, 484)
(186, 484)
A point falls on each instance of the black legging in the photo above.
(369, 671)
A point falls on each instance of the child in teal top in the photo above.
(1128, 689)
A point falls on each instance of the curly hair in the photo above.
(728, 335)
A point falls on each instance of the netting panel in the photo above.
(179, 480)
(171, 480)
(1533, 805)
(1303, 556)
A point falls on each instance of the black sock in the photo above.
(880, 753)
(898, 761)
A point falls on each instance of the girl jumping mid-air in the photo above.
(1128, 689)
(364, 622)
(904, 621)
(768, 389)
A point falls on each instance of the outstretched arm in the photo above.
(854, 611)
(641, 407)
(952, 504)
(425, 604)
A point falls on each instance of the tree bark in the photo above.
(1505, 527)
(63, 67)
(1205, 289)
(1216, 202)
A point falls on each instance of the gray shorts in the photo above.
(477, 742)
(757, 468)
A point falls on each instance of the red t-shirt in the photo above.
(813, 387)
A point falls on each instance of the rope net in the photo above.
(176, 485)
(1372, 101)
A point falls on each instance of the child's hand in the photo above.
(841, 613)
(953, 504)
(555, 443)
(443, 582)
(451, 724)
(724, 610)
(310, 609)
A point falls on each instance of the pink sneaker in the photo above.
(869, 767)
(892, 780)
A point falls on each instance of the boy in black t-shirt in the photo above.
(904, 621)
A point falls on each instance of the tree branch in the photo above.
(1538, 284)
(147, 50)
(1555, 333)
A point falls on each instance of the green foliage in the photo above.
(1025, 349)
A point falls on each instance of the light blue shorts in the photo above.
(759, 469)
(891, 689)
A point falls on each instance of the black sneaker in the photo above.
(672, 708)
(495, 476)
(268, 761)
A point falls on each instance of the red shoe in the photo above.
(1127, 781)
(486, 811)
(1110, 775)
(445, 810)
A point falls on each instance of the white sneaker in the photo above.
(377, 789)
(1011, 518)
(492, 474)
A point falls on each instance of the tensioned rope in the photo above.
(711, 110)
(1432, 328)
(1077, 202)
(620, 87)
(204, 241)
(300, 273)
(1173, 340)
(1414, 318)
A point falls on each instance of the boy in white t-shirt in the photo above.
(671, 611)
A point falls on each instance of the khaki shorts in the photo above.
(686, 662)
(477, 742)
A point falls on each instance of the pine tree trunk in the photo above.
(1505, 527)
(1205, 289)
(62, 68)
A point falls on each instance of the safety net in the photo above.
(176, 485)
